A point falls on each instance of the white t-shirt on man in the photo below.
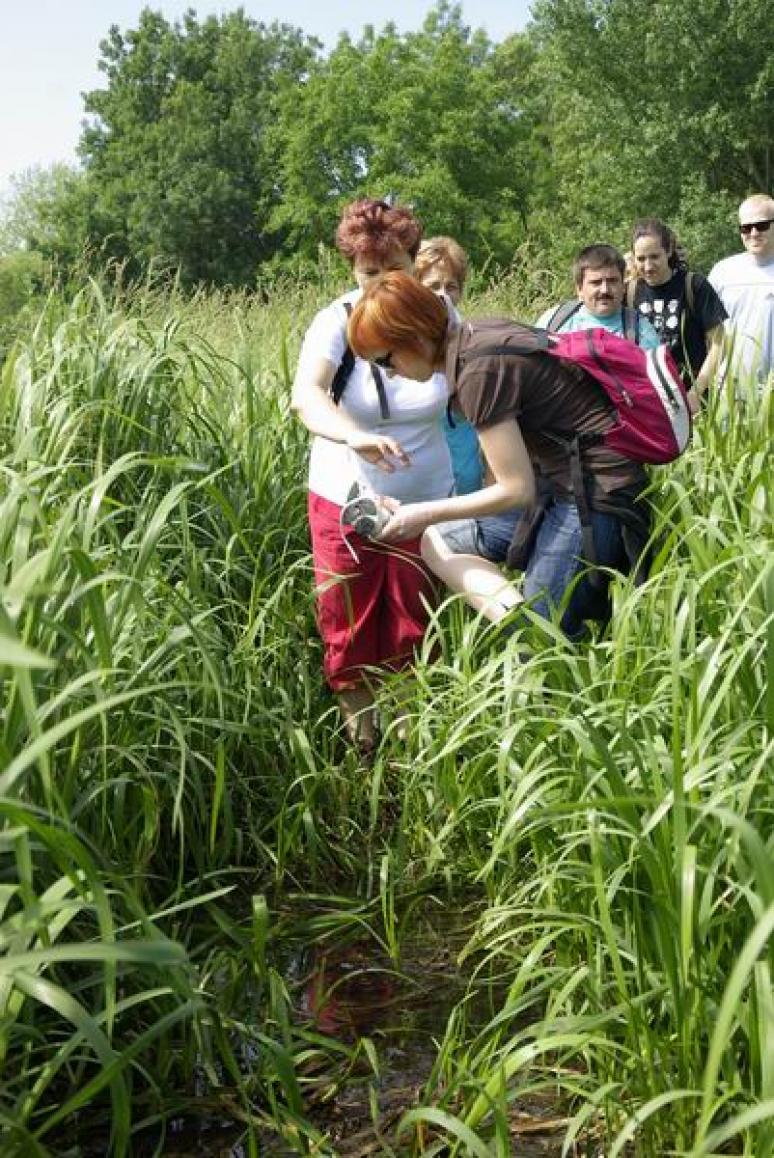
(747, 291)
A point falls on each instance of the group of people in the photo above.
(455, 434)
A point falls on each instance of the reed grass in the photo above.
(179, 818)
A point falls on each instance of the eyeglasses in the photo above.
(759, 226)
(384, 362)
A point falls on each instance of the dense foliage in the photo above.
(181, 828)
(223, 149)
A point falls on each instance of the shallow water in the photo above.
(350, 990)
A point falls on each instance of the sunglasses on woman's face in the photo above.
(758, 226)
(384, 361)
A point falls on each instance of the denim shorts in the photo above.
(555, 560)
(490, 537)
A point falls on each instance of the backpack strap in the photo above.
(345, 368)
(690, 291)
(595, 578)
(562, 314)
(630, 324)
(376, 374)
(633, 513)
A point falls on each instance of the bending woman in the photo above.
(515, 402)
(372, 598)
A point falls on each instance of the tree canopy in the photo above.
(442, 118)
(223, 147)
(178, 151)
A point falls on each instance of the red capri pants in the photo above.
(371, 611)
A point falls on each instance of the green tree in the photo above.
(442, 118)
(23, 280)
(657, 106)
(177, 149)
(47, 213)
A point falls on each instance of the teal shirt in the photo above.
(462, 441)
(583, 319)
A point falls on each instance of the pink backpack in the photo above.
(649, 400)
(644, 386)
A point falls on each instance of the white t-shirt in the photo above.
(747, 291)
(415, 413)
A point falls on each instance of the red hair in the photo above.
(375, 228)
(394, 312)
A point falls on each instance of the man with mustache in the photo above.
(598, 271)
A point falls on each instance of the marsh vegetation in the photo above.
(570, 852)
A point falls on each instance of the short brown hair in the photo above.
(376, 228)
(394, 312)
(436, 250)
(597, 257)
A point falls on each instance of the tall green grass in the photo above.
(179, 818)
(151, 667)
(615, 803)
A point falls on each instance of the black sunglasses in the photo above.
(760, 226)
(384, 362)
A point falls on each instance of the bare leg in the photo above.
(359, 716)
(482, 583)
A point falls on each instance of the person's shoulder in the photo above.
(701, 283)
(577, 319)
(477, 348)
(560, 317)
(697, 279)
(497, 332)
(727, 266)
(641, 292)
(342, 306)
(333, 316)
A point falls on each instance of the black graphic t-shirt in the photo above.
(683, 330)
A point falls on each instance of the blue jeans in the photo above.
(555, 559)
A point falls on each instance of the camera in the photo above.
(364, 513)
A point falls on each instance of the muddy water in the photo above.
(348, 991)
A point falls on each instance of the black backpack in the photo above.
(345, 368)
(565, 310)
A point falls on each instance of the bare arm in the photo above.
(312, 402)
(513, 486)
(709, 366)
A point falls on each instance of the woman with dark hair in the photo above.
(682, 306)
(372, 597)
(517, 402)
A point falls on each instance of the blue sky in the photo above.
(49, 51)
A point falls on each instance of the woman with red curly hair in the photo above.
(372, 597)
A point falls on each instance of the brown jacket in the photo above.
(543, 395)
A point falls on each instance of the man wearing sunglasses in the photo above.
(745, 285)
